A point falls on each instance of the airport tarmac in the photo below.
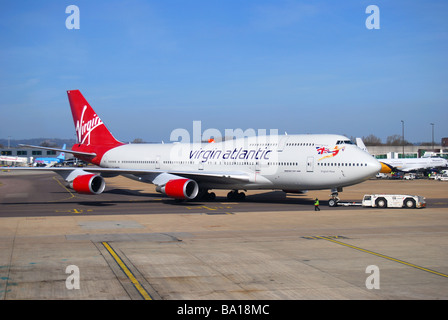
(133, 243)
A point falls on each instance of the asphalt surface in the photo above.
(46, 194)
(131, 243)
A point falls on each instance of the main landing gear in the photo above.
(333, 202)
(235, 195)
(205, 195)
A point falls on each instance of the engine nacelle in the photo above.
(88, 184)
(180, 189)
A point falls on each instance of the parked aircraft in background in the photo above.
(50, 162)
(292, 163)
(407, 164)
(13, 160)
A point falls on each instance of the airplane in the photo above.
(21, 160)
(188, 171)
(407, 164)
(49, 162)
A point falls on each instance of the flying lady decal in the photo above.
(329, 153)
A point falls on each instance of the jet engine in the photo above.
(180, 189)
(88, 184)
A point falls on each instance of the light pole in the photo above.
(402, 136)
(432, 124)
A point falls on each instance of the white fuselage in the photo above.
(290, 162)
(413, 164)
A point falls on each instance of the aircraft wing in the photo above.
(156, 176)
(198, 176)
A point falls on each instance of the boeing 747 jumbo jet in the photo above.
(292, 163)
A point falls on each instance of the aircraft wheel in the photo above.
(381, 203)
(235, 195)
(241, 196)
(332, 203)
(409, 203)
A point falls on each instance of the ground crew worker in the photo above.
(316, 205)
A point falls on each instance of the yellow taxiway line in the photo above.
(128, 272)
(384, 256)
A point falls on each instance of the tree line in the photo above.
(394, 140)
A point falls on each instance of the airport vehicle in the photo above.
(387, 201)
(441, 177)
(49, 162)
(407, 164)
(409, 176)
(393, 201)
(185, 171)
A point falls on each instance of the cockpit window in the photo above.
(344, 142)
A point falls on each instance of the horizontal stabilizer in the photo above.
(76, 153)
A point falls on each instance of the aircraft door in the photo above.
(257, 167)
(157, 162)
(282, 143)
(310, 164)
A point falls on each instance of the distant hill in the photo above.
(48, 142)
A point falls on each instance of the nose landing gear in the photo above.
(334, 197)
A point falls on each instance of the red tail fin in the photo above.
(90, 130)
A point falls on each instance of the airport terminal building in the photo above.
(23, 156)
(411, 151)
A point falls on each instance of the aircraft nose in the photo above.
(374, 166)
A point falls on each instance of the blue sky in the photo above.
(149, 67)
